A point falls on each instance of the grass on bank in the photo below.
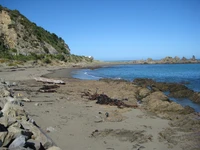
(7, 56)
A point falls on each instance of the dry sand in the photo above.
(75, 123)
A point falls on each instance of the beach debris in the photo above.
(36, 104)
(92, 134)
(48, 88)
(103, 99)
(25, 99)
(46, 80)
(50, 129)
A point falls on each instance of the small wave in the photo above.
(86, 75)
(117, 78)
(96, 77)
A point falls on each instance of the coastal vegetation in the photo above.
(45, 58)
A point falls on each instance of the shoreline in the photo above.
(67, 73)
(72, 117)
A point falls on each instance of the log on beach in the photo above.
(46, 80)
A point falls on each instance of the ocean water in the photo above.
(189, 74)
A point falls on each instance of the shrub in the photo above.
(46, 50)
(47, 60)
(11, 26)
(60, 57)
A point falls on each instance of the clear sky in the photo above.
(119, 29)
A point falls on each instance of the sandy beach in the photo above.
(74, 122)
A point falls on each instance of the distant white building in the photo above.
(90, 57)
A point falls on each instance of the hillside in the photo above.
(23, 39)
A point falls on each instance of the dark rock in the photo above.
(27, 134)
(33, 144)
(181, 93)
(143, 82)
(176, 90)
(188, 110)
(159, 103)
(3, 128)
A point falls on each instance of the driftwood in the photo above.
(46, 80)
(103, 99)
(48, 88)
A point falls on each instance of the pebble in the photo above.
(50, 129)
(36, 104)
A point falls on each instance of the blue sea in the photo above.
(179, 73)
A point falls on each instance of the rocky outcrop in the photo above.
(159, 103)
(17, 129)
(168, 60)
(176, 90)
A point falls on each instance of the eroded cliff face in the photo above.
(9, 36)
(25, 37)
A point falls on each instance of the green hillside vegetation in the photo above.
(42, 36)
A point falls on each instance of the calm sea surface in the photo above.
(180, 73)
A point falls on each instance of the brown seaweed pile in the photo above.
(103, 99)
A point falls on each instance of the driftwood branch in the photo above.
(46, 80)
(48, 88)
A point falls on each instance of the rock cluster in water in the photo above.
(176, 90)
(168, 60)
(17, 130)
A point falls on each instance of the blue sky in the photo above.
(119, 29)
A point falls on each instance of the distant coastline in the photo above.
(166, 60)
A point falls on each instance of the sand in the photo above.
(75, 123)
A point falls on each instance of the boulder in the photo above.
(9, 137)
(19, 142)
(144, 92)
(16, 129)
(4, 93)
(157, 95)
(158, 103)
(5, 138)
(33, 144)
(3, 128)
(2, 137)
(38, 135)
(188, 110)
(13, 110)
(4, 121)
(7, 121)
